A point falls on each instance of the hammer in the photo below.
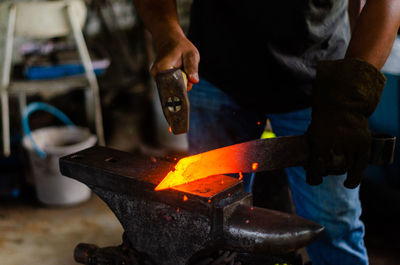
(171, 85)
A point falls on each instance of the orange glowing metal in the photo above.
(226, 160)
(185, 198)
(177, 176)
(240, 175)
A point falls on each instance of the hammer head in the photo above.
(171, 85)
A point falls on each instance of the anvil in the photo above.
(172, 225)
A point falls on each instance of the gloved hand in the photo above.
(345, 94)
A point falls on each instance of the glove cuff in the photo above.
(350, 84)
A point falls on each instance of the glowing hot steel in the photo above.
(177, 176)
(219, 161)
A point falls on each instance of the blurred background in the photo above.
(45, 61)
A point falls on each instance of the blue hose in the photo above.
(35, 106)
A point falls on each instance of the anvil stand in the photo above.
(189, 224)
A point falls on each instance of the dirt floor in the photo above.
(34, 234)
(37, 235)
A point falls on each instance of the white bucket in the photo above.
(51, 187)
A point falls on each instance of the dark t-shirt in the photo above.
(263, 53)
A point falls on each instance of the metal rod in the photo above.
(89, 72)
(5, 78)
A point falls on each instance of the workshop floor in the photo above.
(36, 235)
(33, 234)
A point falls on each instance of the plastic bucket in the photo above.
(45, 146)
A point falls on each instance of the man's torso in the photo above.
(264, 53)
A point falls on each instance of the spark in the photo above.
(254, 166)
(185, 198)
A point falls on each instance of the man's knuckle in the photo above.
(196, 55)
(193, 55)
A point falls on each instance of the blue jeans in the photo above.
(217, 121)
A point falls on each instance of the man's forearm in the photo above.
(159, 16)
(174, 50)
(354, 10)
(375, 31)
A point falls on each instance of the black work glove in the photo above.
(345, 94)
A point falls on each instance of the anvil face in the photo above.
(173, 225)
(136, 175)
